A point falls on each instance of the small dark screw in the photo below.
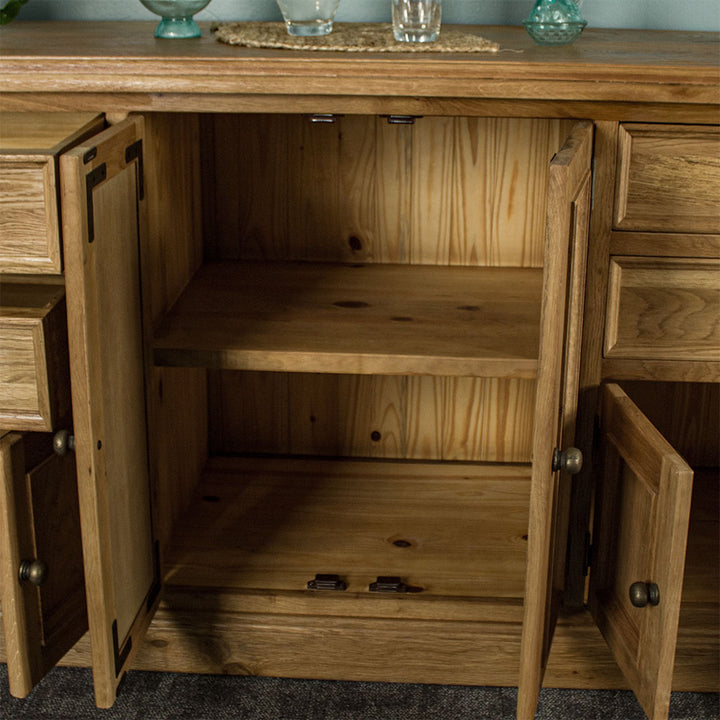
(375, 436)
(355, 243)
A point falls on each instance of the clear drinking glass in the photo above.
(416, 20)
(308, 17)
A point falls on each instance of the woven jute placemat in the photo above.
(348, 37)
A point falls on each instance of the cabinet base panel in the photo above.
(343, 648)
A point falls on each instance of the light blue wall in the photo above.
(648, 14)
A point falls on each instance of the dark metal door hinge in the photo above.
(134, 153)
(92, 180)
(121, 655)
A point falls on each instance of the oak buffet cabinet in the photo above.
(334, 327)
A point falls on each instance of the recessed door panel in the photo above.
(103, 228)
(640, 536)
(41, 570)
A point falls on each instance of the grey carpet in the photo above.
(66, 694)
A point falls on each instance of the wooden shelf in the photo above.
(359, 319)
(271, 524)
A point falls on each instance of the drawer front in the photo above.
(29, 224)
(34, 375)
(663, 309)
(668, 178)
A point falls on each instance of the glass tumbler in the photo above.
(416, 20)
(308, 17)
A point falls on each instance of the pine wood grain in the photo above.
(468, 419)
(172, 252)
(347, 415)
(332, 318)
(477, 186)
(273, 524)
(455, 190)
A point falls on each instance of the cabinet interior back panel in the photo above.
(465, 191)
(459, 418)
(461, 191)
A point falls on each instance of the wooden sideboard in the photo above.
(336, 324)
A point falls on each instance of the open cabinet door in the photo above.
(640, 535)
(103, 226)
(42, 585)
(568, 212)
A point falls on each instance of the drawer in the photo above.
(29, 224)
(30, 145)
(668, 178)
(663, 309)
(34, 372)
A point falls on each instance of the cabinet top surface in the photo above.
(124, 57)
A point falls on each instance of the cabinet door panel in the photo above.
(641, 527)
(556, 402)
(39, 521)
(103, 224)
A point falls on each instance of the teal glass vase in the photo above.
(555, 22)
(177, 17)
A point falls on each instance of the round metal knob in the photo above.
(63, 441)
(570, 460)
(34, 571)
(644, 594)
